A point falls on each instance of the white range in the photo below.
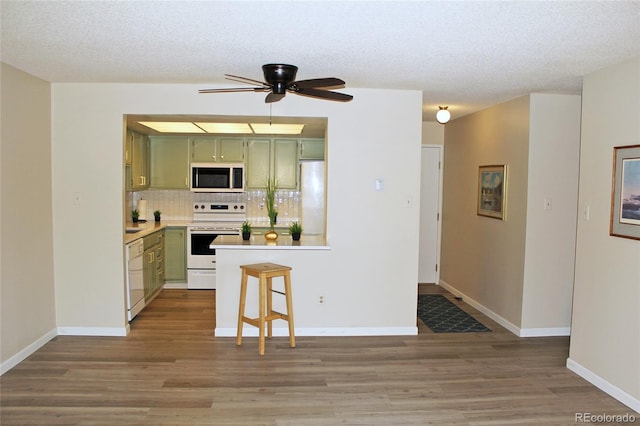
(210, 219)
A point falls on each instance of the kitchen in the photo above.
(376, 136)
(205, 185)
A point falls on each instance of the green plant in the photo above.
(295, 228)
(135, 214)
(157, 213)
(272, 187)
(246, 226)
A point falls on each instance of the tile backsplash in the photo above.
(176, 205)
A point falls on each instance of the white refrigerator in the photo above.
(312, 197)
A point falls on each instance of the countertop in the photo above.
(234, 242)
(149, 227)
(258, 242)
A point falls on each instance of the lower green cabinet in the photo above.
(153, 270)
(175, 259)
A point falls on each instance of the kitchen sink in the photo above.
(132, 230)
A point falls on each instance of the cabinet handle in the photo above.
(186, 181)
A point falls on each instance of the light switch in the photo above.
(547, 203)
(76, 198)
(379, 184)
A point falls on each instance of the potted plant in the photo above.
(272, 187)
(246, 230)
(156, 215)
(135, 214)
(295, 230)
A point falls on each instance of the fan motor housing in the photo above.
(279, 76)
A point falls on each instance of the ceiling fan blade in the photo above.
(244, 80)
(234, 89)
(324, 94)
(273, 97)
(335, 83)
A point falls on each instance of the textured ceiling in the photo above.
(467, 55)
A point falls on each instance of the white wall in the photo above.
(554, 150)
(483, 258)
(374, 246)
(432, 133)
(518, 271)
(605, 332)
(26, 246)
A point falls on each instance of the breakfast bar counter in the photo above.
(258, 242)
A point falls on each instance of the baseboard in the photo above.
(488, 312)
(604, 385)
(334, 331)
(92, 331)
(545, 332)
(26, 352)
(175, 286)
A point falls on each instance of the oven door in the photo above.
(199, 255)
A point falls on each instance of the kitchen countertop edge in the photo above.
(147, 228)
(257, 242)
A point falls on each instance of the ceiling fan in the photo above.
(280, 79)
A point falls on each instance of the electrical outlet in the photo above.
(321, 300)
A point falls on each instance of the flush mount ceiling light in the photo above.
(443, 115)
(225, 127)
(172, 126)
(279, 129)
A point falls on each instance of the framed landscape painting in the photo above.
(492, 191)
(625, 192)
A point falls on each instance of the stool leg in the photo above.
(269, 306)
(243, 298)
(261, 314)
(287, 289)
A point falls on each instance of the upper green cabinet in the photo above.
(258, 165)
(272, 158)
(163, 162)
(217, 150)
(312, 149)
(169, 162)
(285, 163)
(138, 152)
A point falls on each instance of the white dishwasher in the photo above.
(135, 279)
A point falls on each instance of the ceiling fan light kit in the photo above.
(281, 78)
(443, 115)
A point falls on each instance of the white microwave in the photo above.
(217, 177)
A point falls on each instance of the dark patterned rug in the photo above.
(442, 316)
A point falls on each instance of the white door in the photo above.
(429, 214)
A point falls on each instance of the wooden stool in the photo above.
(265, 273)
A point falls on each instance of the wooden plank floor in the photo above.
(171, 370)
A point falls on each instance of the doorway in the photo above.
(430, 207)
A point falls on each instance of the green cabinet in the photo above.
(169, 162)
(272, 158)
(217, 150)
(175, 259)
(285, 163)
(153, 270)
(139, 152)
(258, 165)
(311, 149)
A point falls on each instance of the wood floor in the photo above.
(170, 370)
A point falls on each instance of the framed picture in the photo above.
(492, 191)
(625, 192)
